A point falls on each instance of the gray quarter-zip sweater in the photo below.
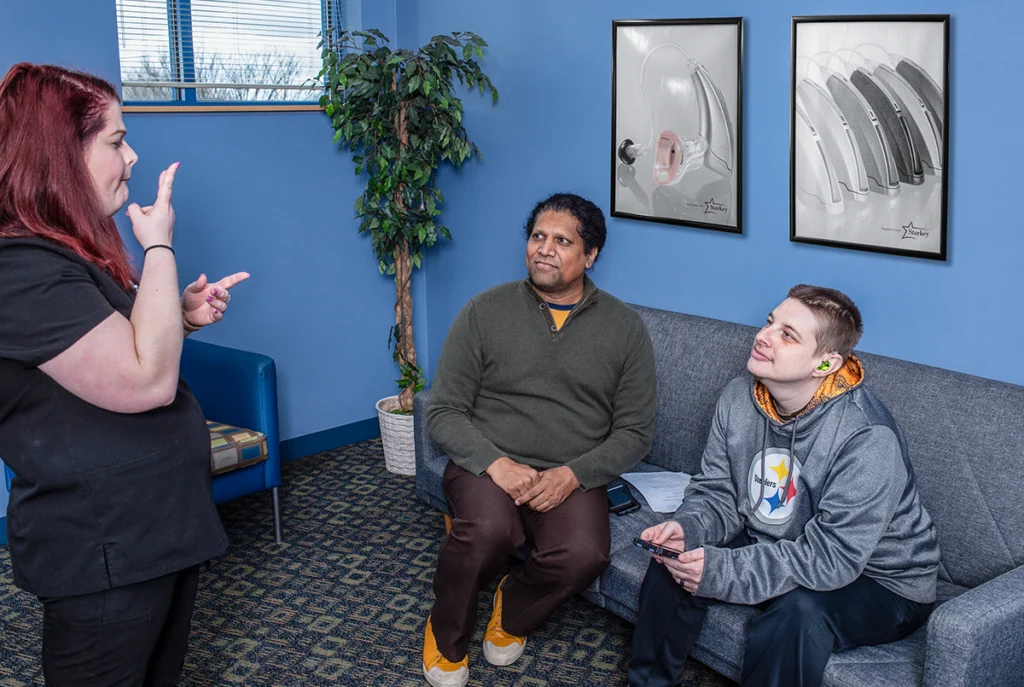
(837, 499)
(510, 383)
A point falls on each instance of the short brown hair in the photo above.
(840, 326)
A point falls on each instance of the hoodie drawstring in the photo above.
(790, 464)
(764, 459)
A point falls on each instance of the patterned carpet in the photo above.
(344, 601)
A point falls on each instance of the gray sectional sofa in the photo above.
(966, 439)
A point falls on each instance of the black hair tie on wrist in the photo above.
(158, 245)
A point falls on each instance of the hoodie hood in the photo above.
(846, 378)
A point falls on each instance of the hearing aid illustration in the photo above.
(839, 141)
(895, 126)
(689, 121)
(919, 79)
(867, 130)
(867, 151)
(925, 128)
(816, 179)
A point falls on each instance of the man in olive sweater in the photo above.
(544, 393)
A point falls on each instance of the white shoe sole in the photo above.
(494, 655)
(446, 683)
(495, 658)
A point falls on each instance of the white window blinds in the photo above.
(222, 51)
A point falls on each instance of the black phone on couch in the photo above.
(620, 501)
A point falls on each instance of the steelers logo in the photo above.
(780, 486)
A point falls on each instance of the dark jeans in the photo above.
(128, 636)
(787, 646)
(570, 550)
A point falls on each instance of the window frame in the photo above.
(182, 60)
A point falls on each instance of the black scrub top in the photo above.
(101, 499)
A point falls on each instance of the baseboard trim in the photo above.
(325, 440)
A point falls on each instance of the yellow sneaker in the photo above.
(439, 671)
(501, 648)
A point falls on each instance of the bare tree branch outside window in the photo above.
(264, 68)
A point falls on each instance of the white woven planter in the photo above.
(396, 433)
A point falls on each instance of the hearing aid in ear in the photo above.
(824, 365)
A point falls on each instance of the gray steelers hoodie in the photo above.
(834, 499)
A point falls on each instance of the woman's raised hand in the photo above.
(204, 303)
(154, 224)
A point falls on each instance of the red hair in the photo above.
(48, 118)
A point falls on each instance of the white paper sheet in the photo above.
(663, 490)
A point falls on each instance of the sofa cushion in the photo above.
(232, 448)
(896, 664)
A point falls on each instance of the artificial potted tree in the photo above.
(399, 114)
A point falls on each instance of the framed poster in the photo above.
(869, 133)
(677, 112)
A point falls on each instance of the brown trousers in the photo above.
(570, 549)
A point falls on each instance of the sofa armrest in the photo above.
(427, 450)
(977, 639)
(235, 387)
(431, 460)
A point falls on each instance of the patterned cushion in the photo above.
(233, 448)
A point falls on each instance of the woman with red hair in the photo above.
(111, 511)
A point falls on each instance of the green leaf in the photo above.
(337, 136)
(426, 87)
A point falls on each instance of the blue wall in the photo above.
(551, 131)
(261, 192)
(267, 193)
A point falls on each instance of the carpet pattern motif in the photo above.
(344, 600)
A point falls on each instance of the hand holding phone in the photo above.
(662, 551)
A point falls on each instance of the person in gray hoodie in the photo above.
(805, 507)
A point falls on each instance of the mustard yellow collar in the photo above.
(848, 377)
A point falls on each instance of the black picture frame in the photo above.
(869, 158)
(699, 182)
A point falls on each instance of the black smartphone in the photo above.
(620, 501)
(655, 549)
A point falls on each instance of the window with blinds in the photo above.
(224, 51)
